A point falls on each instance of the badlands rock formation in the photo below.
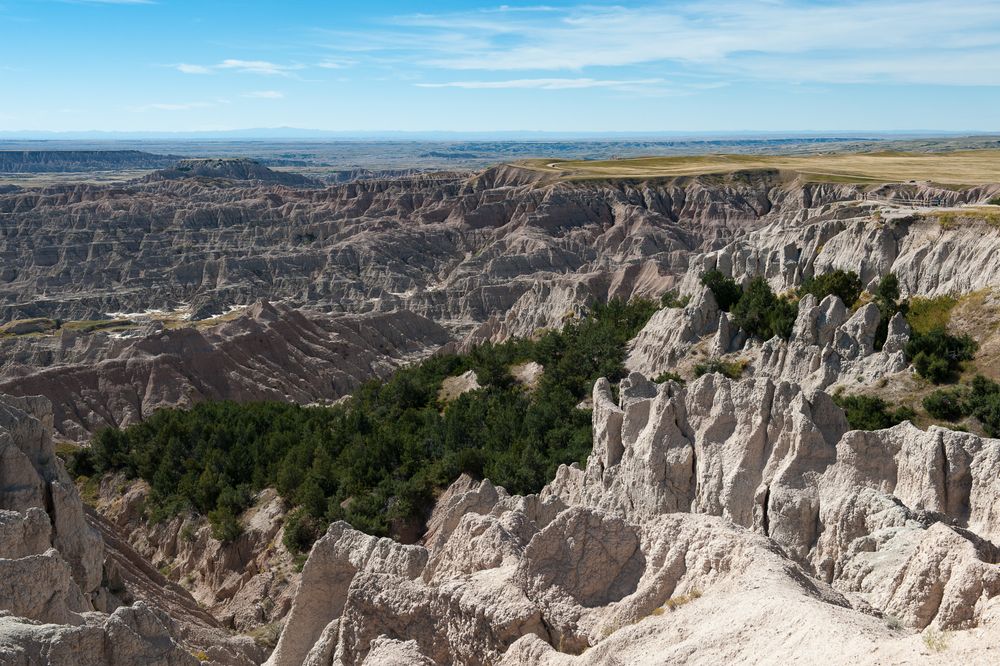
(928, 257)
(829, 347)
(269, 352)
(723, 521)
(48, 161)
(71, 593)
(229, 169)
(243, 585)
(56, 607)
(499, 254)
(453, 248)
(712, 524)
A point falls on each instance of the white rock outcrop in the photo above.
(52, 563)
(712, 523)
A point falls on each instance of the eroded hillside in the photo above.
(792, 456)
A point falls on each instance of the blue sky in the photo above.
(757, 65)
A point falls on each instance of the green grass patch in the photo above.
(949, 220)
(730, 369)
(91, 325)
(927, 314)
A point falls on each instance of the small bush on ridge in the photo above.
(846, 285)
(865, 412)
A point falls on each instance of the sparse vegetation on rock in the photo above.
(763, 314)
(865, 412)
(672, 299)
(727, 293)
(756, 309)
(886, 297)
(668, 377)
(844, 284)
(938, 355)
(980, 399)
(730, 369)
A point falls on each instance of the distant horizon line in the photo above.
(266, 133)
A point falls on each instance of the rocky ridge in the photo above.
(54, 161)
(745, 507)
(239, 169)
(269, 352)
(58, 604)
(453, 248)
(713, 522)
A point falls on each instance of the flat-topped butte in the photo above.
(972, 167)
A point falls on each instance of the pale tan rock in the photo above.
(333, 563)
(137, 635)
(41, 587)
(386, 651)
(24, 534)
(52, 564)
(671, 332)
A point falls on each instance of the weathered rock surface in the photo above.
(242, 585)
(929, 258)
(52, 564)
(744, 510)
(49, 161)
(498, 254)
(455, 249)
(229, 169)
(713, 523)
(269, 353)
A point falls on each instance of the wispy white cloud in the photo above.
(263, 67)
(264, 94)
(193, 69)
(172, 106)
(852, 41)
(341, 63)
(259, 67)
(546, 84)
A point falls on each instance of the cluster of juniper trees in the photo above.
(378, 460)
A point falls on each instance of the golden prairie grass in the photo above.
(970, 167)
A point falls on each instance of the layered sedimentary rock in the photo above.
(229, 169)
(496, 255)
(710, 523)
(929, 257)
(502, 253)
(268, 353)
(52, 563)
(713, 522)
(242, 585)
(49, 161)
(453, 248)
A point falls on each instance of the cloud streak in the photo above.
(262, 67)
(264, 94)
(878, 41)
(546, 84)
(172, 106)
